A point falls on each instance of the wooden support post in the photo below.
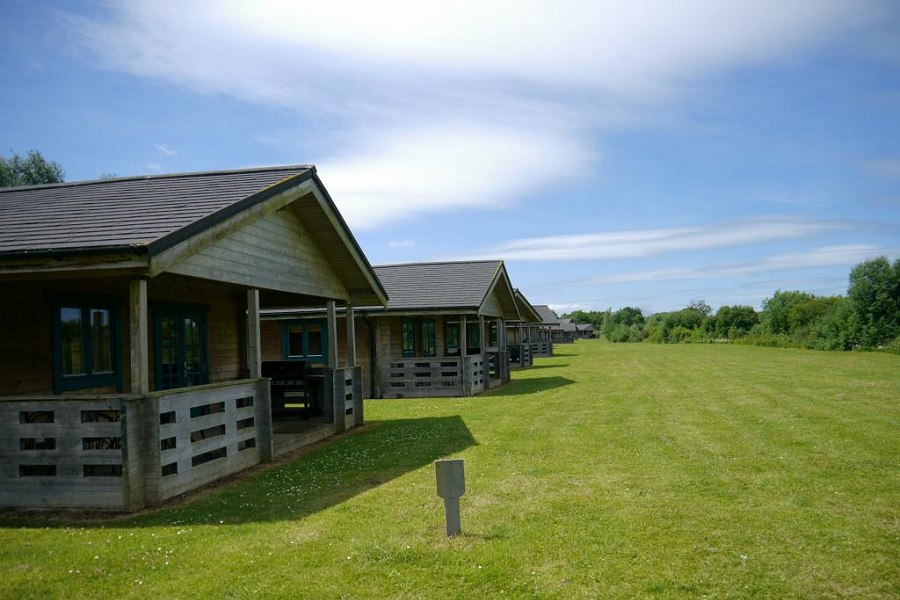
(333, 360)
(358, 417)
(338, 395)
(139, 319)
(254, 352)
(462, 355)
(481, 345)
(351, 337)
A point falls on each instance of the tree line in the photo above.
(31, 169)
(866, 318)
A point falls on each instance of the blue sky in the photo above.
(612, 153)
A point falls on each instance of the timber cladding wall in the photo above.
(26, 351)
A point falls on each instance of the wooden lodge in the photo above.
(547, 332)
(522, 334)
(443, 331)
(131, 366)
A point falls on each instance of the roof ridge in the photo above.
(440, 262)
(86, 182)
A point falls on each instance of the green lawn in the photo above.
(608, 471)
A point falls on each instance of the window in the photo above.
(418, 337)
(304, 339)
(181, 357)
(473, 338)
(85, 343)
(451, 338)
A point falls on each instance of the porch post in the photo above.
(351, 337)
(481, 344)
(254, 355)
(333, 361)
(139, 317)
(462, 354)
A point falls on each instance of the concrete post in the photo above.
(265, 436)
(451, 485)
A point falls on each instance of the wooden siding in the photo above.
(26, 349)
(225, 323)
(275, 252)
(491, 306)
(26, 353)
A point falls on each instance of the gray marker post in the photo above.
(451, 484)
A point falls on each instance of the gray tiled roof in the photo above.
(437, 285)
(127, 212)
(547, 314)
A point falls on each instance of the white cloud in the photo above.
(154, 166)
(165, 149)
(430, 106)
(398, 174)
(652, 242)
(396, 244)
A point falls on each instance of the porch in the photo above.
(125, 452)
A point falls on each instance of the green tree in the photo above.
(780, 312)
(33, 169)
(734, 321)
(593, 317)
(624, 325)
(874, 294)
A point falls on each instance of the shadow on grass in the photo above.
(324, 477)
(531, 385)
(559, 366)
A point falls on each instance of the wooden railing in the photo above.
(65, 452)
(127, 452)
(206, 433)
(343, 394)
(520, 356)
(423, 377)
(541, 348)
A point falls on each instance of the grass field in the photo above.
(608, 471)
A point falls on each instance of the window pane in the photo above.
(473, 338)
(101, 341)
(315, 340)
(193, 373)
(295, 340)
(169, 353)
(71, 334)
(451, 334)
(408, 337)
(429, 338)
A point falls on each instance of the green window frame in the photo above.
(180, 345)
(451, 338)
(429, 337)
(473, 338)
(408, 337)
(305, 339)
(418, 337)
(86, 338)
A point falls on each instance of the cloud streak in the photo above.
(827, 256)
(653, 242)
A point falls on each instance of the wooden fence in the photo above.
(432, 377)
(127, 452)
